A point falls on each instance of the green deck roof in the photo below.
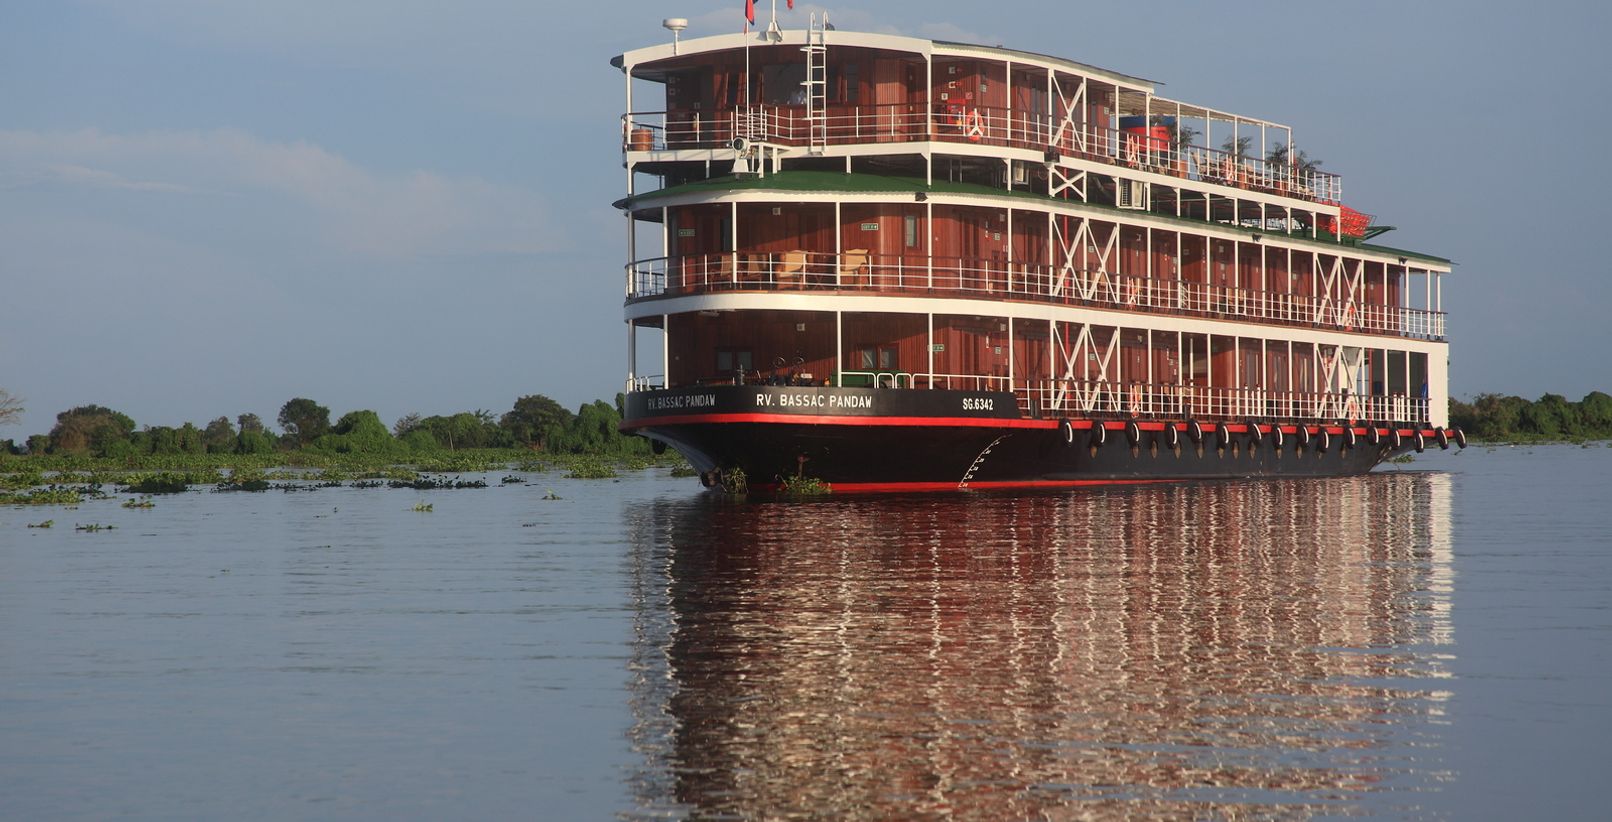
(835, 182)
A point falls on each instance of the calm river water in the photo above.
(1433, 643)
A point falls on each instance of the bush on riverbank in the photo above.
(1495, 417)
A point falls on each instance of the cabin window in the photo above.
(853, 87)
(783, 85)
(910, 230)
(730, 360)
(876, 357)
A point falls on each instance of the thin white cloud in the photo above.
(358, 210)
(101, 178)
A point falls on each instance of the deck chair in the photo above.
(791, 268)
(852, 263)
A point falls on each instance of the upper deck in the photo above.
(833, 94)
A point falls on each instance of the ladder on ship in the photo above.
(816, 84)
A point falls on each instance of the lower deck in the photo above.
(1051, 367)
(890, 439)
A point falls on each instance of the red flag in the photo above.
(791, 4)
(750, 11)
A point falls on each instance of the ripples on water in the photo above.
(1399, 645)
(1179, 651)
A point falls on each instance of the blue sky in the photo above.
(208, 208)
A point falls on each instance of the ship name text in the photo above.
(792, 399)
(674, 402)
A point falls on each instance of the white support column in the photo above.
(1009, 108)
(929, 243)
(733, 238)
(626, 122)
(666, 350)
(839, 348)
(929, 120)
(1012, 386)
(1427, 279)
(632, 354)
(931, 347)
(839, 249)
(1236, 363)
(1147, 398)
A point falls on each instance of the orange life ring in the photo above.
(973, 125)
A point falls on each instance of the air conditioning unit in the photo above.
(1131, 194)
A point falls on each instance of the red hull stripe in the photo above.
(824, 419)
(950, 422)
(895, 487)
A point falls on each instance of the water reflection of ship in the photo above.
(1217, 649)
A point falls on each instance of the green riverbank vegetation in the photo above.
(1551, 418)
(93, 445)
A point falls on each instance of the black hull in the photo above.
(871, 439)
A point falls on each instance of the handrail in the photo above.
(861, 271)
(1114, 399)
(907, 122)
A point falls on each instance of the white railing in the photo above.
(846, 125)
(646, 382)
(1104, 398)
(859, 270)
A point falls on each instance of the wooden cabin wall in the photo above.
(1220, 270)
(1029, 94)
(1166, 358)
(1030, 352)
(1133, 357)
(1029, 238)
(1132, 260)
(1194, 262)
(906, 333)
(1222, 356)
(1304, 368)
(889, 86)
(1250, 373)
(973, 345)
(765, 334)
(1248, 270)
(1278, 369)
(697, 229)
(797, 227)
(1164, 262)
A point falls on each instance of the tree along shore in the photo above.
(1551, 418)
(535, 424)
(538, 424)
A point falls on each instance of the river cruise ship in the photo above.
(887, 263)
